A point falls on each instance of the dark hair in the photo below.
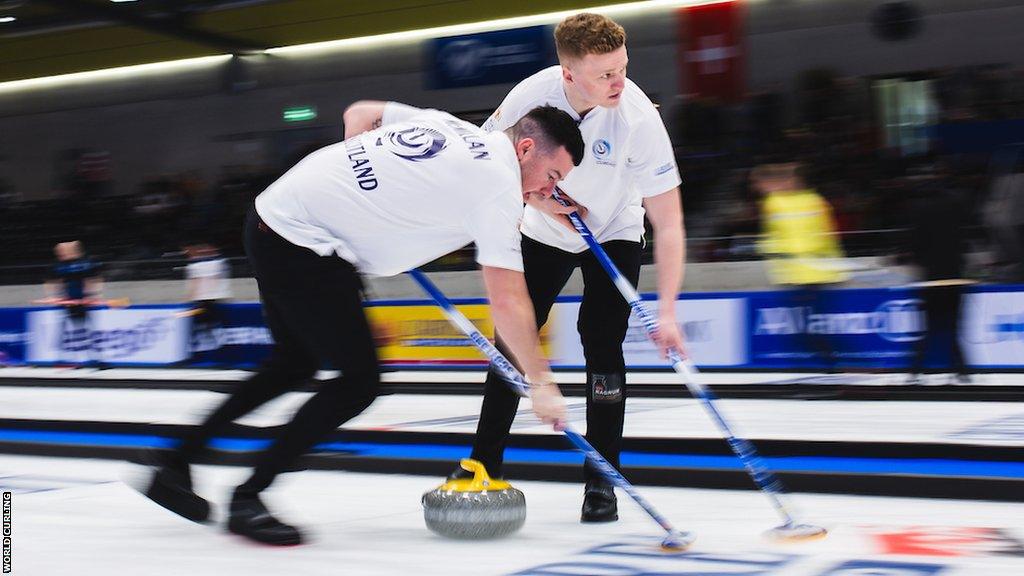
(551, 128)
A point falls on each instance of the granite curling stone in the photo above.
(476, 508)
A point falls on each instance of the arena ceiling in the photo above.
(50, 37)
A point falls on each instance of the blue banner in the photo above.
(489, 58)
(866, 328)
(236, 337)
(13, 335)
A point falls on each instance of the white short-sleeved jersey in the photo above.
(628, 157)
(422, 185)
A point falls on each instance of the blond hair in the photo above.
(588, 33)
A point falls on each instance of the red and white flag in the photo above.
(712, 50)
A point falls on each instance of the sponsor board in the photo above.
(421, 334)
(143, 335)
(712, 327)
(858, 327)
(993, 329)
(13, 335)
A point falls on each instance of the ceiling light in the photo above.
(135, 72)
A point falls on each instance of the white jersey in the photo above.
(422, 185)
(209, 278)
(628, 157)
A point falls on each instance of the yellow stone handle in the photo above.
(480, 481)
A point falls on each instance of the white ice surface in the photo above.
(991, 423)
(75, 517)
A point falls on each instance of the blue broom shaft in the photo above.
(759, 472)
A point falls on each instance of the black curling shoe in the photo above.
(599, 503)
(171, 487)
(250, 518)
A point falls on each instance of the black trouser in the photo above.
(602, 323)
(942, 314)
(313, 306)
(207, 315)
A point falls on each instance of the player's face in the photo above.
(541, 172)
(599, 78)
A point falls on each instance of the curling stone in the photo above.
(474, 508)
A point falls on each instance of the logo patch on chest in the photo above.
(602, 150)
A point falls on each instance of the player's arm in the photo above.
(366, 115)
(363, 116)
(665, 212)
(513, 316)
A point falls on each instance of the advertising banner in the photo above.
(13, 335)
(240, 338)
(123, 336)
(421, 334)
(992, 334)
(713, 328)
(870, 328)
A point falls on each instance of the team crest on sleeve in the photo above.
(415, 144)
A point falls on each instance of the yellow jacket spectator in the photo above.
(800, 238)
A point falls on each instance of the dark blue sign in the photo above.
(490, 57)
(875, 328)
(239, 338)
(13, 335)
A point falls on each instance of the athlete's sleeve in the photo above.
(494, 226)
(651, 158)
(397, 112)
(512, 108)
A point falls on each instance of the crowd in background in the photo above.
(826, 122)
(835, 135)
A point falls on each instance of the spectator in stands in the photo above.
(801, 244)
(1004, 215)
(937, 245)
(208, 284)
(75, 284)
